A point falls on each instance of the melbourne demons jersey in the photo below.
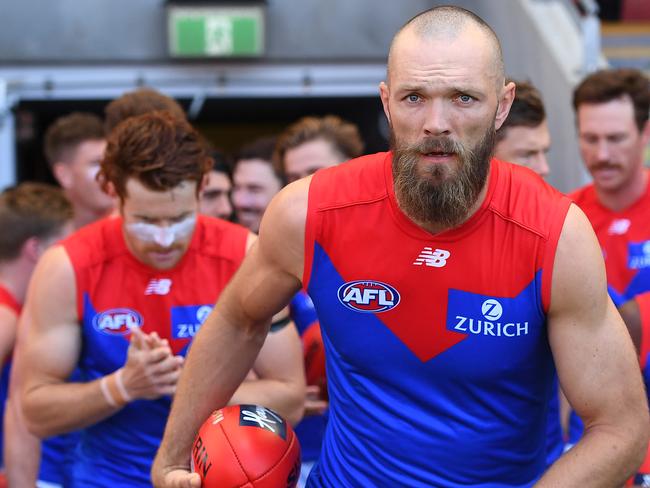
(624, 237)
(438, 363)
(116, 292)
(54, 466)
(8, 301)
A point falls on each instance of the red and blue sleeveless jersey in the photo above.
(116, 292)
(438, 362)
(54, 466)
(624, 238)
(8, 301)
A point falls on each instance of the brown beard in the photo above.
(442, 196)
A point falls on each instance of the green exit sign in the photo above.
(216, 31)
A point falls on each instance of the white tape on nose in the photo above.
(162, 235)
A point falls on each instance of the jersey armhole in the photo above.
(548, 261)
(310, 234)
(643, 301)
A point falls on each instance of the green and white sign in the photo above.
(216, 31)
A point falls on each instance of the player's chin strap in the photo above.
(280, 324)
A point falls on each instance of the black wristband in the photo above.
(280, 324)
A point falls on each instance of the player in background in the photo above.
(524, 137)
(74, 146)
(129, 345)
(255, 182)
(612, 118)
(33, 216)
(215, 196)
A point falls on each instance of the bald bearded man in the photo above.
(458, 281)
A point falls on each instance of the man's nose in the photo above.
(437, 120)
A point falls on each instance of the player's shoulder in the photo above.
(523, 197)
(95, 242)
(55, 266)
(357, 181)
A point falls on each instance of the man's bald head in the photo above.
(448, 23)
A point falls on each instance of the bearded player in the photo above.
(449, 286)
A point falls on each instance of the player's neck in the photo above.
(625, 196)
(84, 216)
(14, 276)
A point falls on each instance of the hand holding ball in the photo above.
(246, 446)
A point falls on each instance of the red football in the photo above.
(246, 446)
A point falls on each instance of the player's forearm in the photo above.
(604, 457)
(285, 397)
(53, 409)
(207, 382)
(22, 450)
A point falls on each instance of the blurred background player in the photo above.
(524, 137)
(80, 139)
(33, 216)
(74, 146)
(255, 182)
(313, 143)
(138, 102)
(612, 117)
(215, 195)
(76, 317)
(310, 144)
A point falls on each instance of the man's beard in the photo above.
(442, 196)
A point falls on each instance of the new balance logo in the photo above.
(435, 258)
(158, 287)
(619, 227)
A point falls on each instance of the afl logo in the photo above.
(117, 321)
(491, 309)
(368, 296)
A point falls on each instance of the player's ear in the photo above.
(204, 182)
(110, 190)
(62, 174)
(384, 94)
(645, 134)
(506, 97)
(31, 249)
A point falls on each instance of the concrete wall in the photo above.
(135, 30)
(540, 43)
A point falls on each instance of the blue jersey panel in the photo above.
(464, 418)
(112, 452)
(302, 311)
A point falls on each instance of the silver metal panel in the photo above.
(79, 30)
(135, 30)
